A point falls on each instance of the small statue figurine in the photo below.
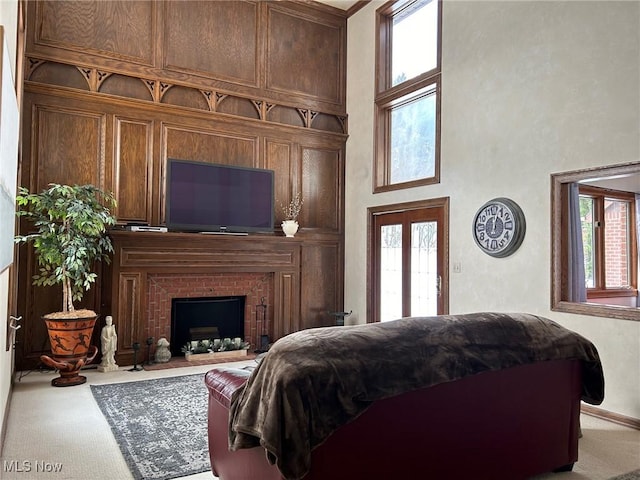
(163, 354)
(109, 339)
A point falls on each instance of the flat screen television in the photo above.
(208, 197)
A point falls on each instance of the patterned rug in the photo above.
(160, 425)
(635, 475)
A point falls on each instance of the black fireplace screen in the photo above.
(205, 314)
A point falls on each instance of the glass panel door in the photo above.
(409, 262)
(390, 272)
(424, 269)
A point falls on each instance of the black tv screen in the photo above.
(207, 197)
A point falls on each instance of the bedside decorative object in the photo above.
(499, 227)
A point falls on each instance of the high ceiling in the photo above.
(343, 4)
(623, 183)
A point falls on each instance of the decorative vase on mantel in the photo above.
(289, 227)
(291, 212)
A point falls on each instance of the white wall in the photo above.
(8, 19)
(528, 89)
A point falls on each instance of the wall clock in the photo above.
(499, 227)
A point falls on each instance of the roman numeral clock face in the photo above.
(499, 227)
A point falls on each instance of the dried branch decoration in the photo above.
(292, 210)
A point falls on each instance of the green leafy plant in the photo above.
(71, 223)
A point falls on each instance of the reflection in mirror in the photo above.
(595, 225)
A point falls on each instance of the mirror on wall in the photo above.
(594, 237)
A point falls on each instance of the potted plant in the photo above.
(291, 212)
(71, 235)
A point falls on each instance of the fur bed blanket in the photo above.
(313, 381)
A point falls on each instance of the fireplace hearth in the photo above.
(193, 317)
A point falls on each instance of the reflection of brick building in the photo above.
(616, 218)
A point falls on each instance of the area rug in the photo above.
(635, 475)
(160, 425)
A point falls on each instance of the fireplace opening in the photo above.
(205, 317)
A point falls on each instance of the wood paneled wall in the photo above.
(114, 88)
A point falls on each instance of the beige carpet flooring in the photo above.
(63, 428)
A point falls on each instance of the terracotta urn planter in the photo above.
(70, 346)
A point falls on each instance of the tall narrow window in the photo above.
(407, 100)
(409, 260)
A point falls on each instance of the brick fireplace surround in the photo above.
(149, 269)
(162, 288)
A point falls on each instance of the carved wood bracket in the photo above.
(208, 95)
(157, 88)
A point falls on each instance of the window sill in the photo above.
(605, 311)
(405, 185)
(612, 293)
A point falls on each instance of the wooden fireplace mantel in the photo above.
(139, 254)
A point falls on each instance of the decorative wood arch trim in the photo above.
(152, 86)
(95, 77)
(220, 97)
(100, 78)
(208, 95)
(34, 63)
(89, 75)
(260, 107)
(163, 88)
(304, 114)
